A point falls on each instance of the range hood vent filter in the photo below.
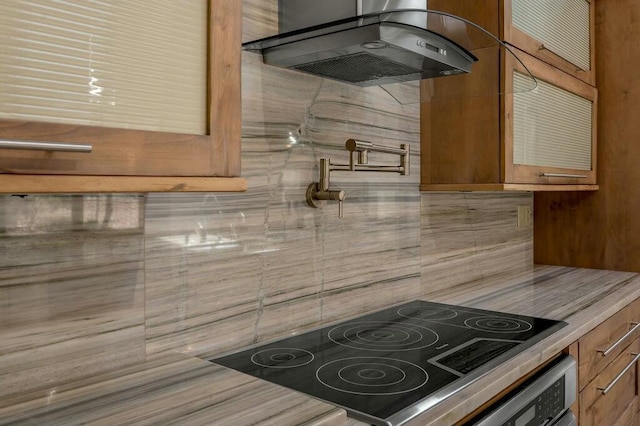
(358, 68)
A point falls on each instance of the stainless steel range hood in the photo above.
(363, 42)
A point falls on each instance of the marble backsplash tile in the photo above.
(473, 235)
(228, 270)
(71, 288)
(261, 270)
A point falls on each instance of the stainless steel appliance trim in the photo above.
(376, 6)
(45, 146)
(620, 340)
(450, 390)
(563, 175)
(568, 419)
(615, 381)
(566, 368)
(379, 6)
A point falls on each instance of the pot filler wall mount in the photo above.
(318, 193)
(372, 43)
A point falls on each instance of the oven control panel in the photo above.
(541, 411)
(541, 401)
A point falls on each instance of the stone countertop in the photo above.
(179, 390)
(185, 390)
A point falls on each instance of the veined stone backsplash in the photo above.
(71, 288)
(89, 284)
(94, 283)
(228, 270)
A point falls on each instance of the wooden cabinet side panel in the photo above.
(568, 229)
(460, 134)
(484, 13)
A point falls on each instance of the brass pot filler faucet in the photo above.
(318, 193)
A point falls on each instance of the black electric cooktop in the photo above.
(389, 366)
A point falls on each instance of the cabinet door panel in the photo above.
(550, 132)
(134, 65)
(561, 25)
(559, 32)
(551, 127)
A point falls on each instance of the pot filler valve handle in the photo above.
(318, 193)
(317, 198)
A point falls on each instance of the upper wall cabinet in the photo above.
(152, 87)
(559, 32)
(497, 129)
(520, 139)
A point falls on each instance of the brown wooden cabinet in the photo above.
(488, 130)
(514, 138)
(608, 370)
(142, 160)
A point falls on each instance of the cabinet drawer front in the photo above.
(552, 127)
(619, 405)
(593, 345)
(561, 25)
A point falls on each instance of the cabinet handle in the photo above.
(45, 146)
(620, 340)
(606, 390)
(563, 175)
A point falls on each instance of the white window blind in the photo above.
(561, 25)
(551, 126)
(137, 64)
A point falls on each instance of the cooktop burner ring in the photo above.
(401, 376)
(496, 324)
(372, 373)
(432, 313)
(282, 358)
(382, 336)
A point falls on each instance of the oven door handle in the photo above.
(619, 376)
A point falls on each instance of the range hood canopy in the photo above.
(375, 42)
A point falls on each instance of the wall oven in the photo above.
(543, 400)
